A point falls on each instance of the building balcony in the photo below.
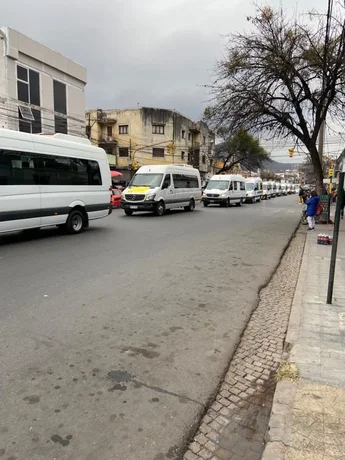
(104, 118)
(107, 141)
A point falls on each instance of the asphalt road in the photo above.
(113, 341)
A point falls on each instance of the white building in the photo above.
(40, 90)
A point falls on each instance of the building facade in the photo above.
(135, 137)
(40, 90)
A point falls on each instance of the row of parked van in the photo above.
(160, 188)
(235, 189)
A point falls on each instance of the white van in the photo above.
(225, 189)
(274, 189)
(284, 189)
(279, 189)
(253, 189)
(158, 188)
(51, 180)
(267, 190)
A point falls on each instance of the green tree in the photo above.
(240, 149)
(282, 79)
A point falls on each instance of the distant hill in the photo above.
(276, 167)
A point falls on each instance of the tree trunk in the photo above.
(318, 172)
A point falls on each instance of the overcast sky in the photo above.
(155, 53)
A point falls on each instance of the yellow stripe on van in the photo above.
(138, 189)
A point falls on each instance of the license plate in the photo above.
(133, 207)
(212, 201)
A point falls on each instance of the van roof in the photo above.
(166, 168)
(44, 143)
(227, 177)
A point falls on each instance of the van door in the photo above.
(232, 192)
(20, 200)
(167, 192)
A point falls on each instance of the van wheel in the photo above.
(75, 222)
(205, 204)
(239, 203)
(160, 209)
(227, 204)
(190, 207)
(128, 212)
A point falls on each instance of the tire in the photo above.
(128, 212)
(75, 223)
(160, 209)
(227, 204)
(205, 204)
(190, 207)
(240, 203)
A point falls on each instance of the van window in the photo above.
(185, 181)
(21, 168)
(151, 180)
(242, 185)
(167, 181)
(218, 185)
(231, 186)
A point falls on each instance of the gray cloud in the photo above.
(155, 53)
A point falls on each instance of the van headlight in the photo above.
(123, 197)
(152, 196)
(223, 195)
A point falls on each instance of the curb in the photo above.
(280, 423)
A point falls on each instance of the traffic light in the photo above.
(291, 152)
(171, 148)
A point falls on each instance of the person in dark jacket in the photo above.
(311, 210)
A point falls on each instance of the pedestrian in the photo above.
(311, 210)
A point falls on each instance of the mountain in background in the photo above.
(276, 167)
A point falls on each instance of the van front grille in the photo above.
(134, 197)
(212, 195)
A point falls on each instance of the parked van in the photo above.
(267, 190)
(274, 189)
(158, 188)
(51, 180)
(279, 189)
(284, 189)
(225, 189)
(253, 189)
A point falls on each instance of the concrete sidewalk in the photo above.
(308, 417)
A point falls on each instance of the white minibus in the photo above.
(51, 180)
(267, 190)
(159, 188)
(225, 189)
(253, 189)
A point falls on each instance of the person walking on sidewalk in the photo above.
(311, 210)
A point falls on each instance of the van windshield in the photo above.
(146, 180)
(250, 186)
(218, 185)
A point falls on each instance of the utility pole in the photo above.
(322, 139)
(340, 198)
(173, 138)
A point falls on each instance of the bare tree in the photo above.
(282, 79)
(241, 149)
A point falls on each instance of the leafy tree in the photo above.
(282, 78)
(241, 149)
